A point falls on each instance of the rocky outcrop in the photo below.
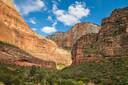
(111, 41)
(113, 37)
(59, 38)
(9, 3)
(84, 49)
(14, 30)
(66, 40)
(10, 54)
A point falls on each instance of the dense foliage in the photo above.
(106, 72)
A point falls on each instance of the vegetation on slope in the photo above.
(112, 71)
(106, 72)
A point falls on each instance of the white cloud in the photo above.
(64, 17)
(55, 2)
(67, 19)
(78, 10)
(30, 6)
(49, 29)
(50, 18)
(32, 21)
(54, 24)
(34, 29)
(73, 15)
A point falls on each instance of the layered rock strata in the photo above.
(14, 30)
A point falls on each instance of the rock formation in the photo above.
(14, 30)
(84, 49)
(10, 54)
(66, 40)
(9, 3)
(111, 41)
(113, 37)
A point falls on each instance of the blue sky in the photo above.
(49, 16)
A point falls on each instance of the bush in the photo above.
(112, 71)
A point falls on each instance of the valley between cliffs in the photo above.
(88, 54)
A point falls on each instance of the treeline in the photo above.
(113, 71)
(14, 75)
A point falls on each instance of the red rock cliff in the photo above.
(113, 36)
(66, 40)
(79, 52)
(111, 41)
(14, 30)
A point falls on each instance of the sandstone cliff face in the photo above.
(113, 36)
(14, 30)
(111, 41)
(79, 52)
(9, 3)
(10, 54)
(67, 39)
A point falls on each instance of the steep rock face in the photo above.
(59, 38)
(9, 3)
(79, 54)
(113, 36)
(67, 39)
(10, 54)
(111, 41)
(14, 30)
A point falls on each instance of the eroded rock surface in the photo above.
(14, 30)
(111, 41)
(67, 39)
(113, 37)
(84, 49)
(10, 54)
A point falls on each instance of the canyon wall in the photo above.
(79, 54)
(113, 36)
(111, 41)
(14, 30)
(9, 3)
(10, 54)
(67, 39)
